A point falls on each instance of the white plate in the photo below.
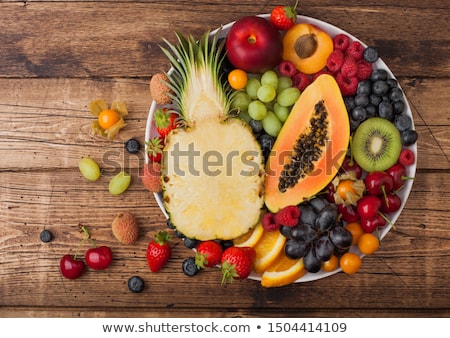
(150, 132)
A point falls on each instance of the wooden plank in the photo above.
(409, 260)
(47, 121)
(112, 39)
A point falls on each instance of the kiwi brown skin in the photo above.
(376, 144)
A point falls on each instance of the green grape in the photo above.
(287, 97)
(119, 183)
(270, 78)
(283, 83)
(271, 124)
(240, 101)
(89, 168)
(243, 115)
(252, 87)
(257, 110)
(281, 112)
(266, 93)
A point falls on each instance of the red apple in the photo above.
(254, 44)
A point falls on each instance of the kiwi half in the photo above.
(376, 144)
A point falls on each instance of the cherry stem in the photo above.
(87, 236)
(387, 220)
(386, 199)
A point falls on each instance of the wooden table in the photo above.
(57, 56)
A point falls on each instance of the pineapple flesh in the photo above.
(212, 173)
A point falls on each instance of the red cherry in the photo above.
(378, 182)
(391, 203)
(349, 212)
(350, 165)
(330, 193)
(99, 258)
(368, 206)
(398, 173)
(71, 267)
(371, 224)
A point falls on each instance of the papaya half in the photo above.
(310, 147)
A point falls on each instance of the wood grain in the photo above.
(57, 56)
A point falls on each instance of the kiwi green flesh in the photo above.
(376, 144)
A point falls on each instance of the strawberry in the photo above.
(165, 121)
(237, 262)
(158, 251)
(154, 148)
(284, 17)
(208, 254)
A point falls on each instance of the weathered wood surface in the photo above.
(57, 56)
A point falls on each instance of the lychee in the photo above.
(125, 228)
(159, 89)
(150, 176)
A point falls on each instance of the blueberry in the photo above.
(170, 225)
(403, 122)
(395, 94)
(370, 54)
(189, 267)
(190, 243)
(266, 141)
(136, 284)
(399, 106)
(374, 100)
(393, 83)
(359, 114)
(45, 236)
(380, 88)
(371, 110)
(379, 74)
(361, 100)
(364, 87)
(256, 126)
(133, 146)
(409, 137)
(226, 244)
(354, 124)
(349, 102)
(180, 235)
(385, 110)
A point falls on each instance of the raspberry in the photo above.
(287, 68)
(349, 67)
(288, 216)
(364, 70)
(341, 42)
(348, 85)
(406, 157)
(355, 49)
(301, 81)
(268, 222)
(335, 61)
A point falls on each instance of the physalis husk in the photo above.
(97, 106)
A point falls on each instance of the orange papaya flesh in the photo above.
(310, 147)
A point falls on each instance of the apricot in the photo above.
(307, 47)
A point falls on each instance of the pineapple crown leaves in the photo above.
(196, 66)
(162, 237)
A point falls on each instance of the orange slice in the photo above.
(267, 249)
(283, 271)
(250, 238)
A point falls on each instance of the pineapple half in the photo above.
(212, 173)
